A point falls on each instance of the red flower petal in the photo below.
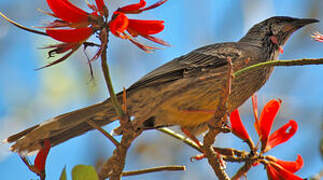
(57, 24)
(133, 8)
(66, 11)
(145, 27)
(118, 24)
(145, 48)
(266, 120)
(318, 37)
(272, 173)
(154, 5)
(156, 40)
(100, 5)
(60, 48)
(41, 157)
(292, 166)
(73, 49)
(70, 35)
(254, 100)
(276, 172)
(281, 135)
(139, 7)
(237, 127)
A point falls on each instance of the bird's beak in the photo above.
(303, 22)
(298, 23)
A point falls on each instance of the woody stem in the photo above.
(106, 73)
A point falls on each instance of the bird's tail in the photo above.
(62, 128)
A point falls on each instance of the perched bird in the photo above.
(178, 92)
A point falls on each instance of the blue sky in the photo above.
(28, 96)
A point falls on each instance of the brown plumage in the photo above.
(193, 82)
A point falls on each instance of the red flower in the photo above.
(264, 124)
(318, 37)
(40, 160)
(144, 28)
(276, 169)
(79, 23)
(237, 127)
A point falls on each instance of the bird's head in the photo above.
(273, 32)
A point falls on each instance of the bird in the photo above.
(178, 92)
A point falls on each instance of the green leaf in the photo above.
(84, 172)
(63, 174)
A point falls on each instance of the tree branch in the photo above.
(152, 170)
(297, 62)
(114, 166)
(215, 127)
(106, 73)
(243, 170)
(180, 137)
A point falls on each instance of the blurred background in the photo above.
(28, 97)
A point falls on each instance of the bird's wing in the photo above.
(214, 56)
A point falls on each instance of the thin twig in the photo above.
(106, 134)
(180, 137)
(21, 26)
(230, 154)
(297, 62)
(106, 73)
(152, 170)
